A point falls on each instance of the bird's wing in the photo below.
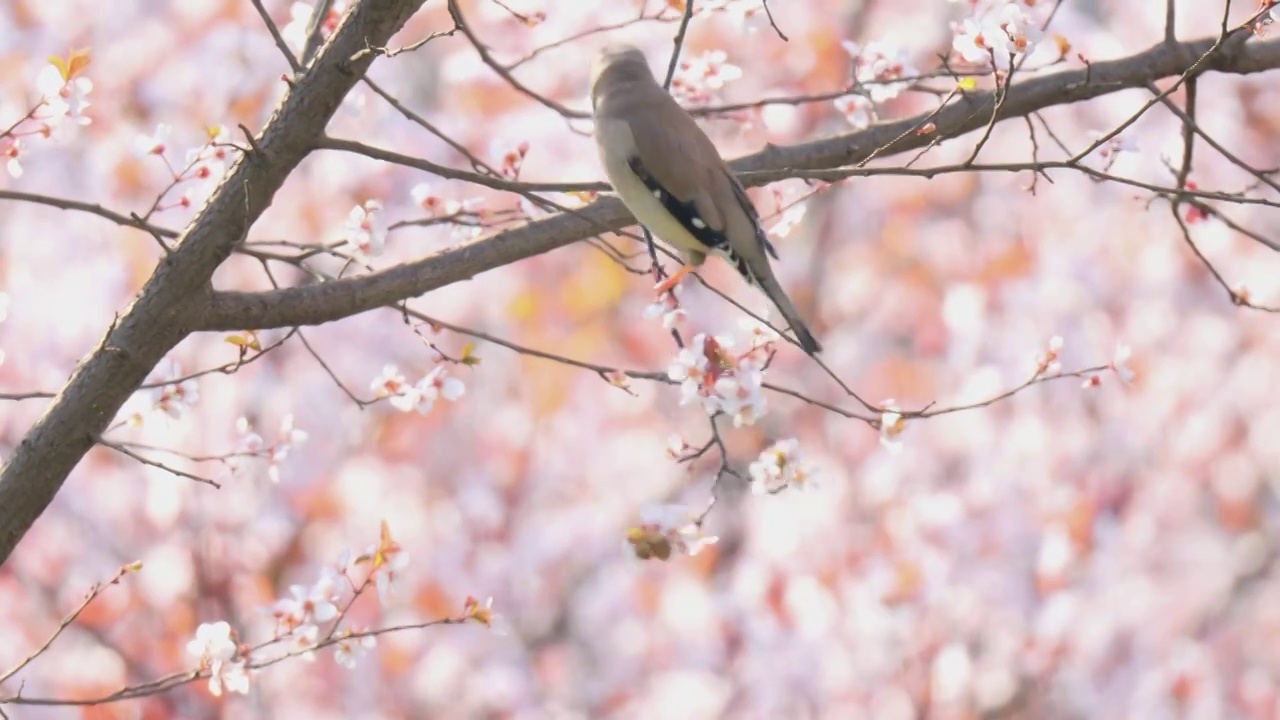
(678, 163)
(745, 200)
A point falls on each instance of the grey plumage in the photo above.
(670, 175)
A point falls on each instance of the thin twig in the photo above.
(155, 464)
(769, 14)
(70, 618)
(485, 56)
(276, 36)
(679, 43)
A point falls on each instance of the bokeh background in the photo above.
(1067, 552)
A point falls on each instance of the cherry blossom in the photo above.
(347, 652)
(711, 374)
(153, 144)
(209, 161)
(362, 231)
(997, 30)
(424, 196)
(1047, 362)
(11, 148)
(971, 41)
(482, 613)
(891, 425)
(763, 338)
(214, 648)
(1040, 549)
(1105, 157)
(314, 604)
(665, 530)
(65, 94)
(667, 307)
(172, 398)
(510, 156)
(857, 110)
(251, 445)
(385, 559)
(884, 72)
(420, 396)
(212, 642)
(294, 32)
(232, 677)
(741, 12)
(700, 77)
(780, 467)
(1119, 364)
(287, 438)
(389, 383)
(676, 446)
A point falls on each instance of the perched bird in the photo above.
(670, 176)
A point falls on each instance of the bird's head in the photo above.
(618, 63)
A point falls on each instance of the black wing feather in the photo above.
(684, 212)
(687, 212)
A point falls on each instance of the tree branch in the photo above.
(326, 302)
(162, 315)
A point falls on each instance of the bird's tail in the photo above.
(765, 280)
(769, 284)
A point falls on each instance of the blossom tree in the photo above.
(337, 384)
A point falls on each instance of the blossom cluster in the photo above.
(997, 30)
(722, 380)
(665, 530)
(64, 96)
(300, 616)
(215, 648)
(740, 12)
(667, 306)
(421, 395)
(880, 73)
(362, 232)
(252, 445)
(780, 467)
(699, 78)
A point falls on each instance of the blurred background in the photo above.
(1079, 549)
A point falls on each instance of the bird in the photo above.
(668, 173)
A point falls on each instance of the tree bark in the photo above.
(162, 314)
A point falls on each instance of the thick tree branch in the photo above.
(161, 315)
(326, 302)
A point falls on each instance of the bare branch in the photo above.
(325, 302)
(161, 316)
(769, 14)
(679, 44)
(93, 593)
(156, 463)
(275, 35)
(483, 51)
